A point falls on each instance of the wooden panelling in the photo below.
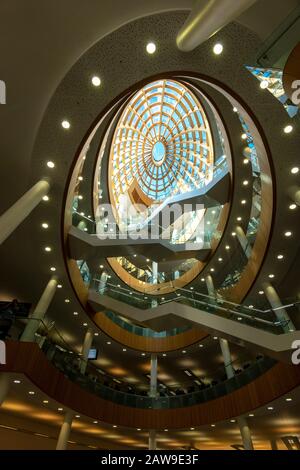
(28, 359)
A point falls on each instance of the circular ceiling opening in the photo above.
(158, 153)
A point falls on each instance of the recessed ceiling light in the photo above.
(239, 219)
(235, 110)
(251, 415)
(138, 429)
(250, 306)
(80, 197)
(46, 198)
(143, 354)
(124, 349)
(200, 345)
(240, 319)
(84, 324)
(59, 409)
(264, 84)
(147, 260)
(220, 259)
(244, 136)
(295, 170)
(215, 337)
(108, 342)
(261, 292)
(166, 430)
(202, 279)
(47, 248)
(75, 313)
(293, 206)
(246, 161)
(164, 354)
(151, 48)
(232, 420)
(114, 426)
(65, 124)
(17, 381)
(96, 334)
(212, 270)
(77, 416)
(53, 268)
(227, 247)
(280, 257)
(101, 266)
(50, 164)
(288, 129)
(67, 301)
(218, 49)
(288, 234)
(80, 178)
(95, 422)
(59, 286)
(288, 399)
(245, 182)
(271, 276)
(45, 401)
(270, 408)
(233, 234)
(191, 288)
(192, 429)
(31, 392)
(96, 81)
(213, 425)
(184, 351)
(45, 225)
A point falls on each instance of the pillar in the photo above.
(154, 302)
(87, 343)
(275, 303)
(18, 212)
(227, 358)
(40, 311)
(210, 286)
(152, 439)
(4, 386)
(274, 445)
(204, 22)
(153, 376)
(65, 430)
(102, 283)
(294, 193)
(242, 423)
(243, 241)
(245, 433)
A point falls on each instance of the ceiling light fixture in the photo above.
(50, 164)
(47, 249)
(244, 136)
(65, 124)
(218, 49)
(288, 129)
(288, 234)
(45, 225)
(243, 201)
(280, 257)
(271, 276)
(295, 170)
(151, 48)
(96, 81)
(53, 268)
(46, 198)
(293, 206)
(264, 84)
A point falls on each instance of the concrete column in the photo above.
(294, 193)
(102, 284)
(206, 19)
(39, 311)
(210, 286)
(227, 358)
(154, 302)
(87, 343)
(15, 215)
(153, 376)
(274, 445)
(65, 431)
(245, 433)
(275, 303)
(243, 241)
(4, 386)
(152, 439)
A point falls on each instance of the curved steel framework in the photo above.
(162, 141)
